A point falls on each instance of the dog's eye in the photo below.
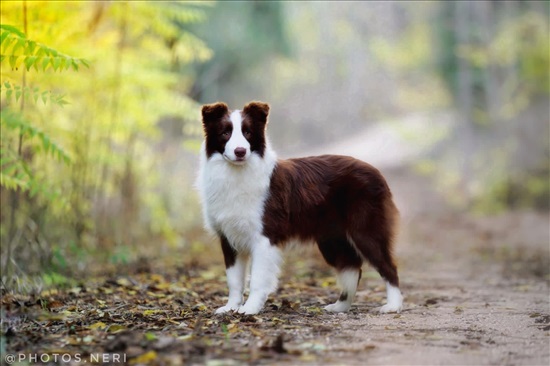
(247, 134)
(226, 134)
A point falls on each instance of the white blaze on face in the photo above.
(237, 144)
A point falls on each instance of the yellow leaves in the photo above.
(101, 303)
(152, 312)
(51, 317)
(314, 310)
(115, 328)
(256, 332)
(145, 358)
(123, 282)
(232, 328)
(98, 325)
(200, 307)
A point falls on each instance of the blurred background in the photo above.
(101, 112)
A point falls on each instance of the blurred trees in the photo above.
(494, 57)
(243, 36)
(105, 199)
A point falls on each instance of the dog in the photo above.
(256, 204)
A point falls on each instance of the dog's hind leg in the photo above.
(377, 250)
(348, 280)
(372, 234)
(341, 255)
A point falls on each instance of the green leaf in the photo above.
(31, 46)
(29, 62)
(45, 63)
(20, 43)
(62, 63)
(13, 61)
(56, 61)
(38, 60)
(12, 29)
(3, 37)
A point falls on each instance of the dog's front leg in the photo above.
(235, 269)
(266, 259)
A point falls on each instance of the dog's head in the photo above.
(235, 135)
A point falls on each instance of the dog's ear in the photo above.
(258, 111)
(213, 112)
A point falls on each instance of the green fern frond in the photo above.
(15, 174)
(17, 49)
(14, 121)
(14, 91)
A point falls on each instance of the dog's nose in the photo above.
(240, 152)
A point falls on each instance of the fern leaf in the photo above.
(34, 93)
(17, 48)
(12, 29)
(15, 121)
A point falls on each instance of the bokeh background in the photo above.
(101, 112)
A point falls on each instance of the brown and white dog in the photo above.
(256, 204)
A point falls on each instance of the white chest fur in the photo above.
(233, 196)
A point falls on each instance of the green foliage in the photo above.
(87, 175)
(520, 41)
(16, 173)
(13, 121)
(17, 48)
(15, 92)
(54, 279)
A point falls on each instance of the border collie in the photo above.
(256, 203)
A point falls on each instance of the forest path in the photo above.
(476, 288)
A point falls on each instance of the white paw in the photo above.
(226, 308)
(391, 308)
(338, 307)
(249, 309)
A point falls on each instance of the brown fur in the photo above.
(329, 199)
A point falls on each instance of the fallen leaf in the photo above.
(98, 325)
(150, 336)
(145, 358)
(115, 328)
